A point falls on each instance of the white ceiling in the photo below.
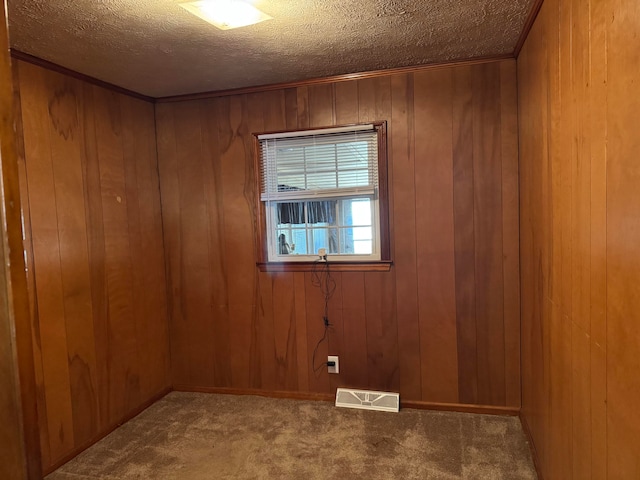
(157, 48)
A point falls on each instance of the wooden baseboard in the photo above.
(323, 397)
(532, 446)
(461, 407)
(99, 436)
(329, 397)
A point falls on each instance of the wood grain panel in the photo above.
(464, 241)
(392, 330)
(46, 250)
(354, 365)
(487, 173)
(95, 231)
(623, 238)
(402, 151)
(598, 240)
(124, 369)
(217, 259)
(435, 236)
(18, 441)
(579, 237)
(510, 234)
(36, 426)
(66, 155)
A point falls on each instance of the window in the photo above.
(324, 191)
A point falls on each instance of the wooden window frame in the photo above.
(382, 265)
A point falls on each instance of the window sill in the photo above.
(379, 266)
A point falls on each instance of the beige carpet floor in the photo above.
(203, 436)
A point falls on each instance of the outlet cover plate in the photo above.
(336, 368)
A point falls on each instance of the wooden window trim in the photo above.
(382, 265)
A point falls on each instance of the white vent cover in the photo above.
(368, 400)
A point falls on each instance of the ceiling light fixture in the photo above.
(226, 14)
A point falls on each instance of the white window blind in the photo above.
(319, 164)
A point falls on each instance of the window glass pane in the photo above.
(291, 241)
(299, 241)
(319, 239)
(341, 226)
(283, 242)
(356, 211)
(290, 213)
(363, 247)
(362, 240)
(346, 241)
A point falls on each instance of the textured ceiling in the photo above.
(156, 48)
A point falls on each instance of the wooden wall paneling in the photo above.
(302, 104)
(254, 122)
(264, 329)
(336, 340)
(435, 235)
(347, 104)
(598, 261)
(130, 158)
(382, 331)
(581, 239)
(321, 106)
(195, 270)
(566, 134)
(66, 158)
(46, 251)
(542, 236)
(314, 306)
(575, 72)
(145, 229)
(124, 363)
(558, 443)
(152, 239)
(218, 262)
(90, 162)
(464, 240)
(487, 173)
(354, 365)
(526, 277)
(285, 356)
(402, 131)
(26, 334)
(510, 235)
(97, 252)
(239, 242)
(303, 354)
(558, 447)
(19, 449)
(40, 424)
(581, 402)
(170, 194)
(580, 165)
(623, 238)
(291, 108)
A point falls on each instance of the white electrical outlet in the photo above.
(336, 367)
